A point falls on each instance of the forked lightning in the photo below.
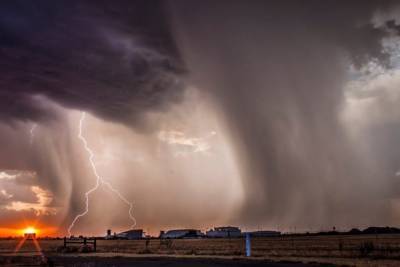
(99, 181)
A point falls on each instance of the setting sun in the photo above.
(29, 227)
(30, 230)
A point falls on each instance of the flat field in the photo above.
(360, 250)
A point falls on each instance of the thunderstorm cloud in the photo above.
(285, 114)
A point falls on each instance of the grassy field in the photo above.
(361, 250)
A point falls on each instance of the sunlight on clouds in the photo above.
(14, 203)
(196, 144)
(41, 207)
(6, 176)
(5, 195)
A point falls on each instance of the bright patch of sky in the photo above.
(34, 198)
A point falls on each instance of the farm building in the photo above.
(182, 233)
(226, 231)
(131, 234)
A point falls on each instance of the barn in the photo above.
(131, 234)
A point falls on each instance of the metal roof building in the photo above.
(131, 234)
(182, 233)
(226, 231)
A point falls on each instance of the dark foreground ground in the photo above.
(94, 261)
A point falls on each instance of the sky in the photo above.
(265, 115)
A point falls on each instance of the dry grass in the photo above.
(365, 249)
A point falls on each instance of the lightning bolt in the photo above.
(99, 181)
(32, 133)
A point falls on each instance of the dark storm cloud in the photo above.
(116, 59)
(277, 70)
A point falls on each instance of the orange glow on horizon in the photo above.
(30, 230)
(40, 231)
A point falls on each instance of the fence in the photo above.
(85, 242)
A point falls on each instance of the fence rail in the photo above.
(83, 241)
